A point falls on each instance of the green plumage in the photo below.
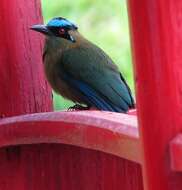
(90, 64)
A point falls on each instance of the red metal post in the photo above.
(22, 86)
(156, 32)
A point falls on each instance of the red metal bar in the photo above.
(116, 134)
(22, 86)
(156, 34)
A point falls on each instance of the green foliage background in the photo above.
(102, 22)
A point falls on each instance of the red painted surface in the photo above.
(176, 153)
(54, 151)
(65, 167)
(132, 112)
(156, 34)
(116, 134)
(70, 151)
(22, 86)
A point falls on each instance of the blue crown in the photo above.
(61, 22)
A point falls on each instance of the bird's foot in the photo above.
(78, 107)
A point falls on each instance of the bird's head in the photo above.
(58, 27)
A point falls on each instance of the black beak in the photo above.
(40, 28)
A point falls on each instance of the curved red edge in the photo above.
(175, 147)
(112, 133)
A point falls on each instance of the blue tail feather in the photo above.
(91, 96)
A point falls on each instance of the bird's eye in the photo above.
(61, 31)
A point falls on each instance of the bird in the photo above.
(80, 71)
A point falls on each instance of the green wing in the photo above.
(93, 67)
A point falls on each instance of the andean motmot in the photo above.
(80, 71)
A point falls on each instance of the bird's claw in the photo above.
(78, 107)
